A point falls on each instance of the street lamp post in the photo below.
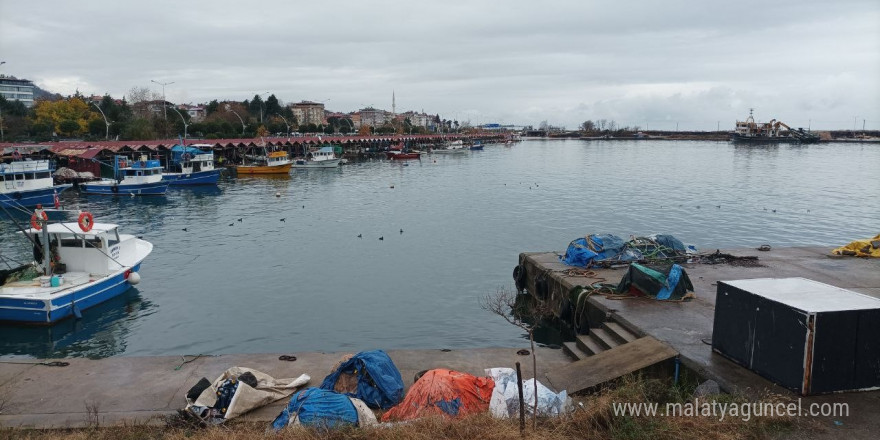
(107, 137)
(229, 109)
(285, 123)
(163, 95)
(185, 125)
(349, 123)
(262, 104)
(1, 113)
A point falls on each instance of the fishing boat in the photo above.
(77, 265)
(749, 131)
(476, 146)
(190, 165)
(322, 158)
(275, 162)
(400, 152)
(28, 183)
(137, 178)
(452, 147)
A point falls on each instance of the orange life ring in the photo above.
(86, 221)
(34, 223)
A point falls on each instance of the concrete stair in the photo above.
(609, 336)
(593, 371)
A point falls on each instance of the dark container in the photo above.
(804, 335)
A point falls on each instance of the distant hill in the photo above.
(45, 94)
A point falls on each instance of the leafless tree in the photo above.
(527, 314)
(139, 97)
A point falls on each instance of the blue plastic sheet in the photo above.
(318, 408)
(379, 383)
(671, 282)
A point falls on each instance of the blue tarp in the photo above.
(379, 383)
(178, 151)
(318, 408)
(582, 252)
(605, 248)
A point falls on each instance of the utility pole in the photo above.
(163, 95)
(1, 113)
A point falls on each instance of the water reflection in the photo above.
(102, 331)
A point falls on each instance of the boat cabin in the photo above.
(277, 158)
(25, 175)
(95, 252)
(140, 171)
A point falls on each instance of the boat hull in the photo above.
(197, 178)
(279, 169)
(735, 137)
(42, 196)
(331, 163)
(50, 311)
(403, 156)
(140, 189)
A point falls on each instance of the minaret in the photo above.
(393, 104)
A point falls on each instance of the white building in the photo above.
(308, 112)
(373, 117)
(14, 89)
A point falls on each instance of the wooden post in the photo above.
(522, 405)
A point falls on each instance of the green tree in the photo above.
(69, 127)
(255, 107)
(12, 108)
(272, 105)
(97, 127)
(140, 129)
(212, 107)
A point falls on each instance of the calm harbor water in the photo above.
(309, 283)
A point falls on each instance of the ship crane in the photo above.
(803, 136)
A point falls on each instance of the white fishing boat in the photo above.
(76, 265)
(28, 183)
(322, 158)
(137, 178)
(451, 147)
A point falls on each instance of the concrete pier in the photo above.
(687, 326)
(131, 390)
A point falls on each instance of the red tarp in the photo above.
(442, 391)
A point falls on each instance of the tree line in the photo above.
(606, 126)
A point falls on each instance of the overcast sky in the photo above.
(646, 63)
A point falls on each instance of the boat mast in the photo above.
(47, 262)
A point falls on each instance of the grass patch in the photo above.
(594, 417)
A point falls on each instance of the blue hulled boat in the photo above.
(137, 178)
(190, 165)
(28, 183)
(78, 265)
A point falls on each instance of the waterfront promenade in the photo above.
(124, 389)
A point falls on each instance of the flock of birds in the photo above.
(283, 219)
